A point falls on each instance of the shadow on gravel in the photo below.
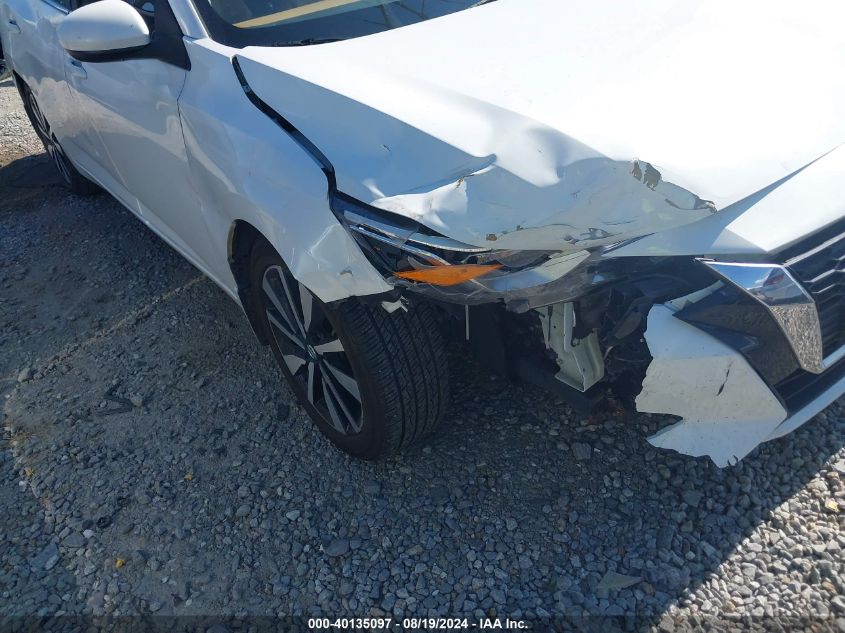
(29, 172)
(24, 179)
(69, 266)
(171, 438)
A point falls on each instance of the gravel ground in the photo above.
(152, 462)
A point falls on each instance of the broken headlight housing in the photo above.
(405, 249)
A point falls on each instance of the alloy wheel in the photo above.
(51, 144)
(312, 351)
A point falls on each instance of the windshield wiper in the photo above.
(479, 3)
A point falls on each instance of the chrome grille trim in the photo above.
(789, 303)
(821, 270)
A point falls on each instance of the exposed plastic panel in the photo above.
(726, 407)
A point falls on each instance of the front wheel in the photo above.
(373, 382)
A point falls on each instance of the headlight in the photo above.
(406, 249)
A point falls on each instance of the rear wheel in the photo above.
(75, 181)
(373, 382)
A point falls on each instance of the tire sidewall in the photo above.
(369, 442)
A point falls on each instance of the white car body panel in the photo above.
(522, 124)
(36, 56)
(484, 143)
(247, 168)
(129, 119)
(103, 26)
(188, 19)
(763, 223)
(726, 408)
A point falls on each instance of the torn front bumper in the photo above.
(727, 409)
(753, 359)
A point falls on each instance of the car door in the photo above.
(131, 108)
(32, 50)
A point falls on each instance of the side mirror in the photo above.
(103, 31)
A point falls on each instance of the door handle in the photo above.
(77, 69)
(13, 26)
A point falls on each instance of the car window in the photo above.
(290, 22)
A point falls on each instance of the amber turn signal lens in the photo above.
(448, 275)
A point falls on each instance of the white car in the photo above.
(643, 198)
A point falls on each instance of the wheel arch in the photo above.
(18, 80)
(242, 239)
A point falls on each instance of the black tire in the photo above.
(71, 177)
(397, 359)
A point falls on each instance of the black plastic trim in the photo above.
(98, 57)
(303, 141)
(802, 387)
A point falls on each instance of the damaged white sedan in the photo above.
(641, 198)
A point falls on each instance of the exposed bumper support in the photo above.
(580, 360)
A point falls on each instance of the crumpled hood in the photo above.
(547, 124)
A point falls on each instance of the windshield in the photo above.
(298, 22)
